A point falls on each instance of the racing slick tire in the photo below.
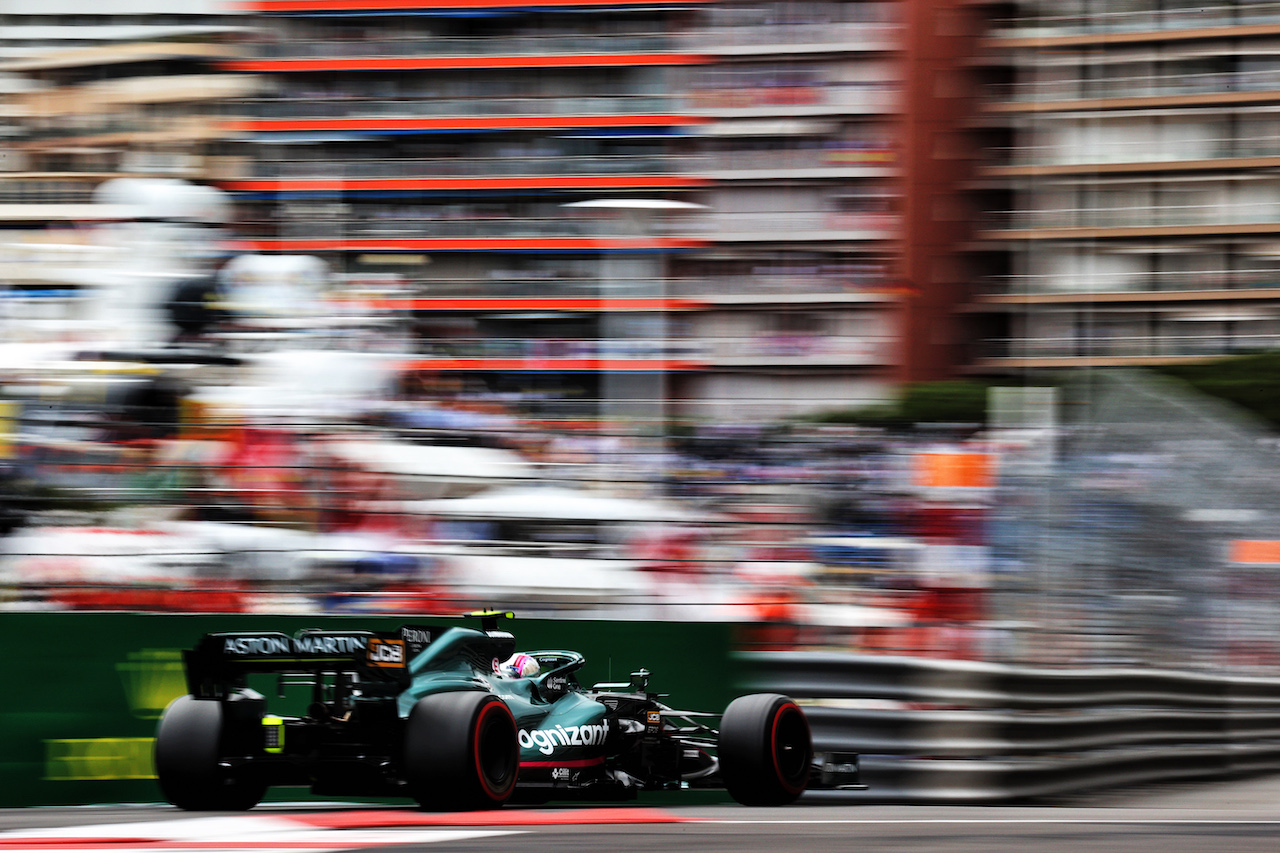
(189, 744)
(765, 750)
(461, 751)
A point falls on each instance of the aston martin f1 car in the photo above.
(426, 712)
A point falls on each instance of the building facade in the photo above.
(433, 151)
(96, 92)
(733, 210)
(1135, 210)
(447, 150)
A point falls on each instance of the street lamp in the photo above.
(628, 395)
(636, 204)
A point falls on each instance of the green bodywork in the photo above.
(100, 681)
(556, 721)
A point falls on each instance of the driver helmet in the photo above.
(519, 665)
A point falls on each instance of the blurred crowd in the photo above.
(435, 498)
(170, 443)
(807, 534)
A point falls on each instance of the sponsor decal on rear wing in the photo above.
(220, 661)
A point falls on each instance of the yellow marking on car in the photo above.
(272, 734)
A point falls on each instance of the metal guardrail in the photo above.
(962, 731)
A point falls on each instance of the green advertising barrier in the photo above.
(84, 691)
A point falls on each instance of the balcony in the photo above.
(575, 348)
(795, 351)
(794, 225)
(114, 95)
(677, 353)
(1137, 220)
(539, 292)
(1105, 92)
(1192, 17)
(756, 39)
(770, 289)
(478, 172)
(1120, 349)
(468, 167)
(576, 355)
(109, 130)
(477, 294)
(47, 191)
(746, 101)
(351, 115)
(303, 105)
(679, 170)
(117, 54)
(1179, 285)
(798, 163)
(415, 230)
(334, 53)
(415, 223)
(1134, 155)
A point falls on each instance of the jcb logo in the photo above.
(653, 722)
(386, 652)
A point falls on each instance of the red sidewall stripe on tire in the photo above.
(792, 708)
(479, 731)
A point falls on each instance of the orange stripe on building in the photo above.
(421, 63)
(460, 122)
(529, 182)
(386, 5)
(560, 364)
(533, 304)
(472, 244)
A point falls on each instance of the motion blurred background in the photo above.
(926, 327)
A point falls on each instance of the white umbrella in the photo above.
(555, 503)
(426, 460)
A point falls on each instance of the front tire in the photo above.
(765, 750)
(461, 751)
(189, 742)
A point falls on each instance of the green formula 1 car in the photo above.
(426, 712)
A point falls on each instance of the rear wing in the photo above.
(220, 662)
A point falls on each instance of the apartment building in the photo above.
(1137, 203)
(840, 152)
(439, 145)
(96, 91)
(104, 89)
(799, 145)
(702, 203)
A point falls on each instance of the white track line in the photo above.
(1130, 821)
(236, 834)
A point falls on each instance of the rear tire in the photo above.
(461, 751)
(189, 744)
(765, 750)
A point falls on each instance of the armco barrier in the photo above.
(83, 691)
(954, 731)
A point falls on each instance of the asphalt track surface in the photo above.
(1223, 817)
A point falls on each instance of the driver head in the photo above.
(519, 665)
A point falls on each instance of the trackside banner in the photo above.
(84, 691)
